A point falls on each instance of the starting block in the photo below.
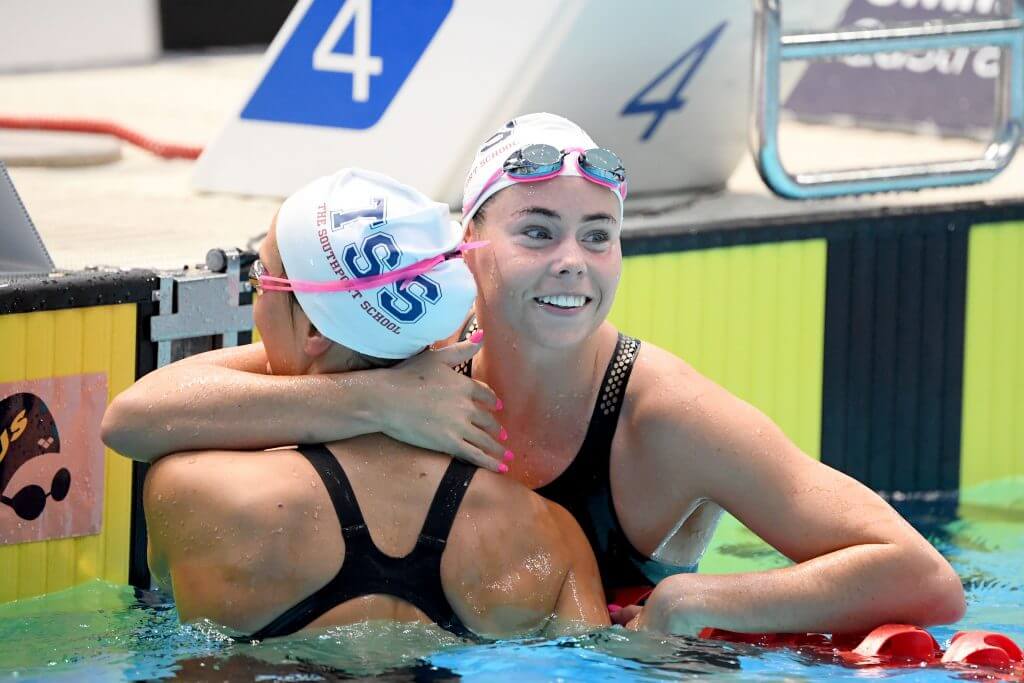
(411, 89)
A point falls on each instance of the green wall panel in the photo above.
(992, 442)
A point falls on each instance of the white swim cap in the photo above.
(356, 224)
(529, 129)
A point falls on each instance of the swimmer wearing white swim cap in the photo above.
(361, 271)
(345, 239)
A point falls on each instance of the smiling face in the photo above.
(554, 260)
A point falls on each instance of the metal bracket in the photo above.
(208, 305)
(771, 48)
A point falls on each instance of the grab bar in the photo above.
(772, 47)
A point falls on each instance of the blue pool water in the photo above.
(103, 632)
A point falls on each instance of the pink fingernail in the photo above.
(503, 468)
(477, 336)
(502, 435)
(509, 456)
(613, 608)
(499, 404)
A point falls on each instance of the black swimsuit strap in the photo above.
(605, 418)
(365, 570)
(342, 497)
(353, 526)
(445, 504)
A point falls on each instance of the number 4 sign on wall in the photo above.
(345, 62)
(685, 66)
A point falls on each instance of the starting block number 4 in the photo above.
(361, 64)
(344, 62)
(685, 66)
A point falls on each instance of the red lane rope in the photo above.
(895, 645)
(162, 149)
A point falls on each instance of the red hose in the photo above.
(162, 149)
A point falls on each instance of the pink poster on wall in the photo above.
(51, 458)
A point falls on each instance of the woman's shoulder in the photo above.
(667, 399)
(660, 378)
(229, 484)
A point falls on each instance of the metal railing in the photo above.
(772, 47)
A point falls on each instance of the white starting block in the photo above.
(412, 88)
(57, 34)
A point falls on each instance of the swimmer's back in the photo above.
(263, 535)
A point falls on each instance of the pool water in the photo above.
(99, 631)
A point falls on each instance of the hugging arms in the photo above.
(875, 569)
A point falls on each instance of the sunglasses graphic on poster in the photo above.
(51, 458)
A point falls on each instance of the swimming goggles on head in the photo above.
(263, 282)
(540, 162)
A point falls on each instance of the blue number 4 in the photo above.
(689, 61)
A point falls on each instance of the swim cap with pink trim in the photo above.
(360, 224)
(529, 129)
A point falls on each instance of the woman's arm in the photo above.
(581, 606)
(858, 563)
(226, 399)
(851, 590)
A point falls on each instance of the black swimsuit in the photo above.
(365, 570)
(584, 488)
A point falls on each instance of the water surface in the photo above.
(99, 631)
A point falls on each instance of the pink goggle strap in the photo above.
(408, 273)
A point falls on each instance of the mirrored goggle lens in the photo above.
(604, 164)
(534, 160)
(541, 155)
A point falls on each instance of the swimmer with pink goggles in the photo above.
(537, 162)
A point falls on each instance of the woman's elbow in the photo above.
(951, 604)
(119, 429)
(940, 595)
(112, 427)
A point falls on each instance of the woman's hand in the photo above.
(667, 610)
(445, 411)
(624, 616)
